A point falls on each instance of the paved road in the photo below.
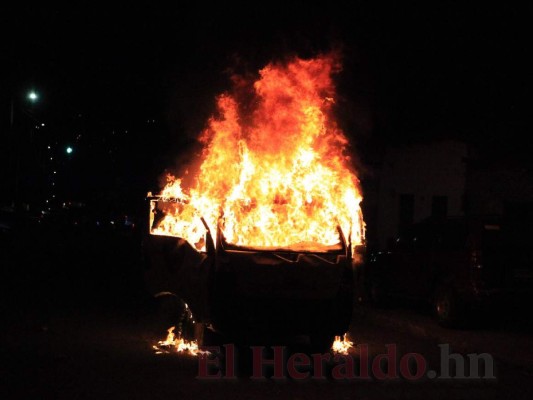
(99, 354)
(78, 326)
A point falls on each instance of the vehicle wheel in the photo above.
(168, 310)
(447, 307)
(172, 311)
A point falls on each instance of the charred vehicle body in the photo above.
(245, 292)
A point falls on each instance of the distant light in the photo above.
(48, 147)
(33, 96)
(55, 172)
(69, 150)
(42, 124)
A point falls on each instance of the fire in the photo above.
(274, 171)
(178, 343)
(341, 346)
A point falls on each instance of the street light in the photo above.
(69, 150)
(33, 96)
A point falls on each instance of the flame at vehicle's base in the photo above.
(342, 346)
(179, 344)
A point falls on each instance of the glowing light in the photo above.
(341, 346)
(275, 170)
(69, 150)
(178, 344)
(33, 96)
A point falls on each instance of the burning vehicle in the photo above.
(265, 236)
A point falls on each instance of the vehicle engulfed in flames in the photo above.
(261, 235)
(245, 292)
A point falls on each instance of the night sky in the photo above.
(138, 82)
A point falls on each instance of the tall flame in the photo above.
(275, 171)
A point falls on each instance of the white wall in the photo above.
(424, 170)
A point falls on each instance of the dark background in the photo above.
(130, 87)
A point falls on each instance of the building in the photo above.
(444, 178)
(418, 181)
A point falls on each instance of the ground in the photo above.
(80, 325)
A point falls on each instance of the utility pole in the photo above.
(32, 96)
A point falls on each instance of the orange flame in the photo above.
(178, 343)
(275, 171)
(342, 346)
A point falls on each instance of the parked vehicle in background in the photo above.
(459, 266)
